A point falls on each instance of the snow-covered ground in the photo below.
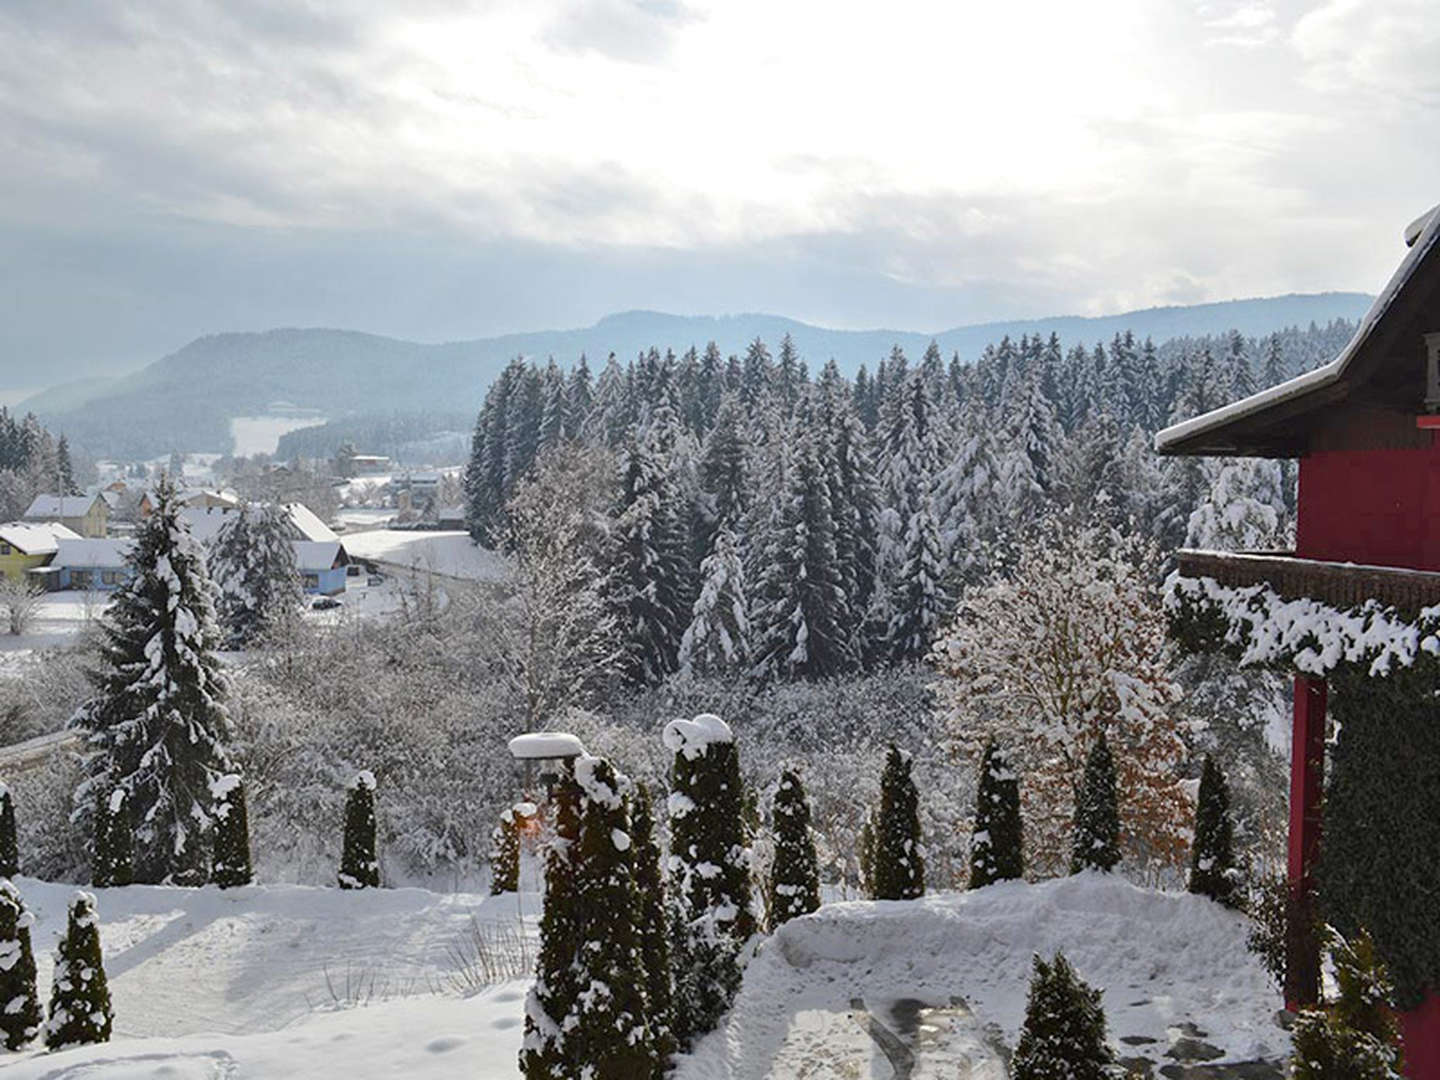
(253, 983)
(950, 973)
(447, 553)
(261, 434)
(59, 616)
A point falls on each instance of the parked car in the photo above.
(324, 603)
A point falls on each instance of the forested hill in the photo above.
(187, 399)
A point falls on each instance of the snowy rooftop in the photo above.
(88, 553)
(312, 556)
(1188, 436)
(60, 506)
(308, 524)
(35, 538)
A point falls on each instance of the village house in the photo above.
(29, 546)
(92, 564)
(86, 515)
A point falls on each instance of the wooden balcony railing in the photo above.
(1341, 585)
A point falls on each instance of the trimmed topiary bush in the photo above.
(1212, 859)
(1357, 1037)
(505, 854)
(654, 943)
(9, 847)
(1064, 1033)
(230, 864)
(80, 1010)
(899, 863)
(997, 846)
(1097, 814)
(114, 844)
(359, 864)
(20, 1015)
(795, 878)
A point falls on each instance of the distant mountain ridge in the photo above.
(186, 400)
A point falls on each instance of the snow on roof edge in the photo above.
(1325, 374)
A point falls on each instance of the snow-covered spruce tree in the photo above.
(20, 1016)
(231, 865)
(157, 723)
(544, 1054)
(709, 872)
(252, 561)
(1244, 508)
(9, 845)
(899, 862)
(652, 915)
(113, 845)
(1063, 1037)
(795, 878)
(1097, 813)
(359, 862)
(505, 854)
(718, 637)
(1212, 858)
(611, 1037)
(1357, 1037)
(80, 1011)
(997, 846)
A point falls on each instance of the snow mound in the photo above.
(693, 737)
(1162, 960)
(362, 779)
(545, 744)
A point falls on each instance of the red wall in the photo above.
(1380, 507)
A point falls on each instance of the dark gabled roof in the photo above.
(1278, 422)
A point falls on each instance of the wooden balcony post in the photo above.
(1307, 784)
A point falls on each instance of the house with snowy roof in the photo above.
(27, 546)
(1353, 616)
(86, 515)
(92, 564)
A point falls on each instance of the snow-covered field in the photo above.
(261, 434)
(221, 984)
(447, 553)
(59, 616)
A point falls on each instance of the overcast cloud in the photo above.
(443, 170)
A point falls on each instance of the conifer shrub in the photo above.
(997, 846)
(359, 863)
(1097, 814)
(899, 861)
(20, 1015)
(653, 916)
(1063, 1037)
(9, 845)
(231, 865)
(1212, 860)
(1357, 1036)
(114, 842)
(505, 854)
(795, 877)
(80, 1011)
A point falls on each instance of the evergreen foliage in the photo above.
(652, 918)
(709, 872)
(795, 876)
(718, 637)
(20, 1014)
(231, 865)
(9, 844)
(997, 851)
(359, 861)
(1358, 1036)
(1097, 813)
(505, 854)
(113, 851)
(1212, 859)
(80, 1011)
(1063, 1037)
(252, 561)
(899, 863)
(157, 724)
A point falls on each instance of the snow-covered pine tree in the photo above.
(20, 1017)
(795, 877)
(9, 845)
(997, 848)
(653, 915)
(231, 866)
(899, 861)
(113, 850)
(157, 724)
(252, 561)
(1063, 1037)
(359, 862)
(1212, 859)
(545, 1052)
(919, 603)
(64, 469)
(80, 1011)
(709, 872)
(1244, 508)
(964, 496)
(1357, 1037)
(1097, 814)
(718, 637)
(505, 854)
(611, 1037)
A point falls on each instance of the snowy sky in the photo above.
(443, 170)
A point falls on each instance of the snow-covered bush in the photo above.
(1212, 858)
(1096, 844)
(1064, 1033)
(51, 845)
(505, 854)
(9, 843)
(80, 1011)
(997, 845)
(112, 860)
(359, 864)
(899, 859)
(231, 865)
(795, 875)
(650, 886)
(20, 1015)
(1357, 1037)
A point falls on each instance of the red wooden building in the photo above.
(1364, 428)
